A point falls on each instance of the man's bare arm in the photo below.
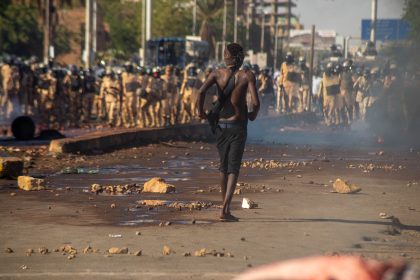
(211, 80)
(255, 102)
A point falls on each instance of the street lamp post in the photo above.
(262, 29)
(194, 17)
(224, 25)
(235, 22)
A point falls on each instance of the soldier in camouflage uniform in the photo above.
(170, 89)
(73, 91)
(305, 83)
(110, 91)
(189, 89)
(129, 95)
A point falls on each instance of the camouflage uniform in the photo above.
(330, 90)
(169, 103)
(47, 86)
(289, 81)
(73, 91)
(130, 101)
(189, 91)
(110, 91)
(305, 83)
(9, 103)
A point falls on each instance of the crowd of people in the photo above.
(61, 97)
(127, 96)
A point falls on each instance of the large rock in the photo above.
(28, 183)
(158, 185)
(248, 203)
(10, 167)
(344, 187)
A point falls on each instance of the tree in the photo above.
(172, 18)
(209, 11)
(19, 30)
(412, 16)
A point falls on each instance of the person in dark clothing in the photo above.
(231, 132)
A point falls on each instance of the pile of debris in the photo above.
(116, 189)
(273, 164)
(179, 205)
(369, 167)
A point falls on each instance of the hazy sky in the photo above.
(344, 16)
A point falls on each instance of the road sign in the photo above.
(386, 29)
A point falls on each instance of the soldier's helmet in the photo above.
(266, 71)
(337, 68)
(333, 48)
(289, 58)
(366, 73)
(141, 70)
(329, 69)
(256, 69)
(74, 70)
(108, 71)
(347, 64)
(42, 68)
(128, 67)
(156, 72)
(302, 62)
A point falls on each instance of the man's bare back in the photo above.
(235, 108)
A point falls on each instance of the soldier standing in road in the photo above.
(329, 90)
(189, 89)
(265, 90)
(305, 83)
(89, 92)
(170, 88)
(346, 90)
(362, 87)
(73, 88)
(289, 82)
(110, 89)
(130, 101)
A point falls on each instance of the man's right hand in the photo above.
(202, 115)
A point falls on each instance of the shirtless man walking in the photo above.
(231, 132)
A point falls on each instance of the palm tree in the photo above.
(208, 10)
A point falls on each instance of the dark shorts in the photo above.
(231, 140)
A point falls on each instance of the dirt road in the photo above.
(298, 215)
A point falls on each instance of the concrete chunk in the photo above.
(158, 185)
(344, 187)
(28, 183)
(10, 167)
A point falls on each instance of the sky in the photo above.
(344, 16)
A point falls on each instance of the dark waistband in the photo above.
(233, 124)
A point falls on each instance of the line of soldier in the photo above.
(68, 97)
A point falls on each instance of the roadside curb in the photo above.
(117, 139)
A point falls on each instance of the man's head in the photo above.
(234, 55)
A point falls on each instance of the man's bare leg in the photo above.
(231, 185)
(223, 184)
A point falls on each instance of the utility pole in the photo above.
(248, 23)
(88, 33)
(235, 22)
(262, 29)
(374, 17)
(94, 28)
(194, 17)
(224, 26)
(47, 32)
(289, 17)
(143, 32)
(311, 67)
(148, 19)
(276, 44)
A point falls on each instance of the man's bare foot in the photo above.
(228, 218)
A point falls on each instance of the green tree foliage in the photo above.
(19, 30)
(124, 20)
(412, 16)
(172, 18)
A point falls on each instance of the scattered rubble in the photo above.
(344, 187)
(158, 185)
(29, 252)
(68, 249)
(369, 167)
(273, 164)
(28, 183)
(248, 203)
(10, 167)
(116, 189)
(43, 250)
